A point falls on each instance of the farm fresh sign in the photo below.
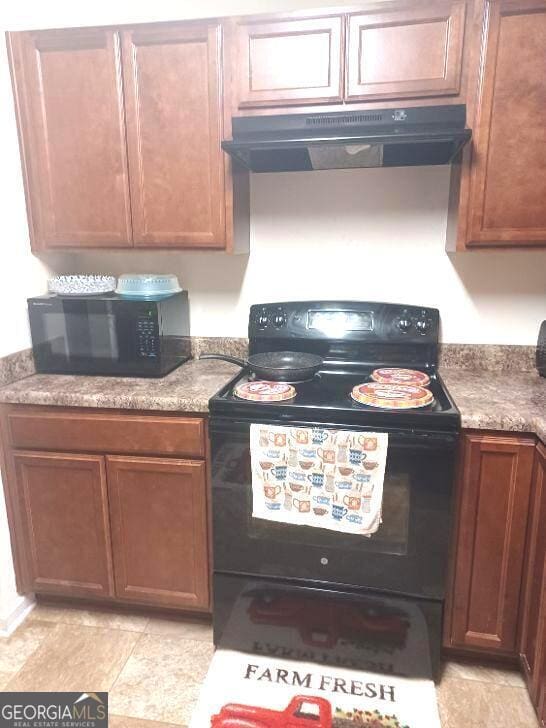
(321, 682)
(265, 692)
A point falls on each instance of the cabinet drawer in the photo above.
(106, 432)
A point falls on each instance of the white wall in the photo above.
(375, 234)
(20, 276)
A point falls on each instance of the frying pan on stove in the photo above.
(278, 366)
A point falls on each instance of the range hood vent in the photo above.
(343, 119)
(427, 135)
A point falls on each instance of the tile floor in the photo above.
(152, 669)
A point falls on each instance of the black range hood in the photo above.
(376, 138)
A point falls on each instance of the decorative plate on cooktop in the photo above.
(262, 391)
(393, 375)
(392, 396)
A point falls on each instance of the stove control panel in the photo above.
(361, 321)
(420, 321)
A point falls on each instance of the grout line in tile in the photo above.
(95, 626)
(491, 681)
(112, 686)
(39, 647)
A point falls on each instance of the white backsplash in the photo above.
(375, 234)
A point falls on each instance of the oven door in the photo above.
(408, 553)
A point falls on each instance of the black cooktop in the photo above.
(327, 398)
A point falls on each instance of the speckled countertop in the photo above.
(186, 389)
(499, 397)
(499, 400)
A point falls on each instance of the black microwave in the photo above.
(109, 335)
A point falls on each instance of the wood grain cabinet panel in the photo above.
(159, 531)
(58, 428)
(287, 61)
(63, 500)
(407, 53)
(495, 481)
(69, 100)
(508, 183)
(533, 633)
(174, 131)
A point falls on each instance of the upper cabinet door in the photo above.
(508, 184)
(287, 61)
(174, 127)
(69, 99)
(402, 54)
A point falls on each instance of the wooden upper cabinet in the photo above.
(159, 531)
(64, 504)
(533, 633)
(174, 130)
(68, 92)
(495, 483)
(405, 53)
(286, 61)
(508, 177)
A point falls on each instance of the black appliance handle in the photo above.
(424, 438)
(224, 357)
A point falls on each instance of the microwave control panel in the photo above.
(147, 341)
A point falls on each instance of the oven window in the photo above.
(233, 474)
(390, 538)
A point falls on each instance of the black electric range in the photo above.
(406, 560)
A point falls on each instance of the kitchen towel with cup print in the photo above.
(318, 477)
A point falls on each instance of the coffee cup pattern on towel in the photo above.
(319, 476)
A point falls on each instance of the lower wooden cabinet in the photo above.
(118, 523)
(533, 633)
(494, 485)
(64, 505)
(159, 530)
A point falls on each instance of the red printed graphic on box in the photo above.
(302, 711)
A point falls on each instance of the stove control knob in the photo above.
(422, 327)
(404, 325)
(262, 319)
(279, 319)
